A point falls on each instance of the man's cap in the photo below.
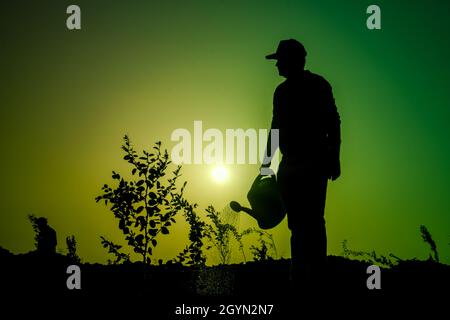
(290, 49)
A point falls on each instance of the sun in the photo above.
(220, 174)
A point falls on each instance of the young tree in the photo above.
(146, 205)
(72, 249)
(114, 249)
(34, 223)
(265, 250)
(427, 238)
(193, 254)
(220, 235)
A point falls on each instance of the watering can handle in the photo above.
(266, 171)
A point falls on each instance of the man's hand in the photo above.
(265, 170)
(333, 164)
(334, 169)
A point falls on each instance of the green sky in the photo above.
(146, 68)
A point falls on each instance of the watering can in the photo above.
(265, 201)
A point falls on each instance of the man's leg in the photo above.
(304, 196)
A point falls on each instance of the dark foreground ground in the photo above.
(159, 292)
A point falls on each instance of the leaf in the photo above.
(140, 182)
(141, 221)
(133, 171)
(150, 211)
(154, 243)
(139, 210)
(149, 184)
(164, 230)
(139, 239)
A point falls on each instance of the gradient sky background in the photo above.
(146, 68)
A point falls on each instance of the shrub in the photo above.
(145, 206)
(265, 250)
(427, 238)
(72, 249)
(193, 254)
(220, 234)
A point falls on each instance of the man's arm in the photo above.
(333, 124)
(272, 141)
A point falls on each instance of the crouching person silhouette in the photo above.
(46, 238)
(305, 114)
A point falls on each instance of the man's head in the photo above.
(290, 56)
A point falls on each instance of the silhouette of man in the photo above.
(46, 238)
(305, 113)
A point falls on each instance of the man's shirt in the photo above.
(305, 113)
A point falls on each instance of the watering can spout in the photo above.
(238, 208)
